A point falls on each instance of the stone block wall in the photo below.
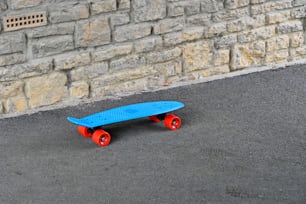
(92, 49)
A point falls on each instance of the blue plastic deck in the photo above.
(128, 112)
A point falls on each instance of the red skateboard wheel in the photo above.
(172, 122)
(101, 138)
(85, 131)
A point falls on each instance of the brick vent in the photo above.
(29, 20)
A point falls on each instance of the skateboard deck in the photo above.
(156, 111)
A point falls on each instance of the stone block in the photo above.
(277, 56)
(1, 108)
(299, 12)
(198, 55)
(139, 73)
(16, 104)
(148, 10)
(257, 1)
(89, 72)
(47, 46)
(79, 89)
(163, 56)
(71, 60)
(119, 83)
(131, 61)
(20, 4)
(246, 55)
(132, 32)
(278, 17)
(93, 32)
(221, 57)
(120, 77)
(119, 19)
(270, 6)
(98, 7)
(218, 70)
(68, 12)
(41, 91)
(3, 7)
(171, 39)
(225, 41)
(277, 43)
(257, 34)
(290, 27)
(233, 4)
(192, 8)
(57, 29)
(168, 69)
(299, 53)
(19, 71)
(245, 23)
(215, 30)
(211, 6)
(202, 19)
(297, 39)
(111, 51)
(120, 89)
(12, 42)
(148, 44)
(124, 4)
(299, 2)
(190, 34)
(10, 59)
(11, 89)
(169, 25)
(176, 9)
(208, 72)
(227, 15)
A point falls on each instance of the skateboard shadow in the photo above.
(133, 128)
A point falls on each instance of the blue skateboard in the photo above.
(91, 126)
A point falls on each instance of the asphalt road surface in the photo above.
(243, 140)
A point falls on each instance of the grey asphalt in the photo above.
(243, 140)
